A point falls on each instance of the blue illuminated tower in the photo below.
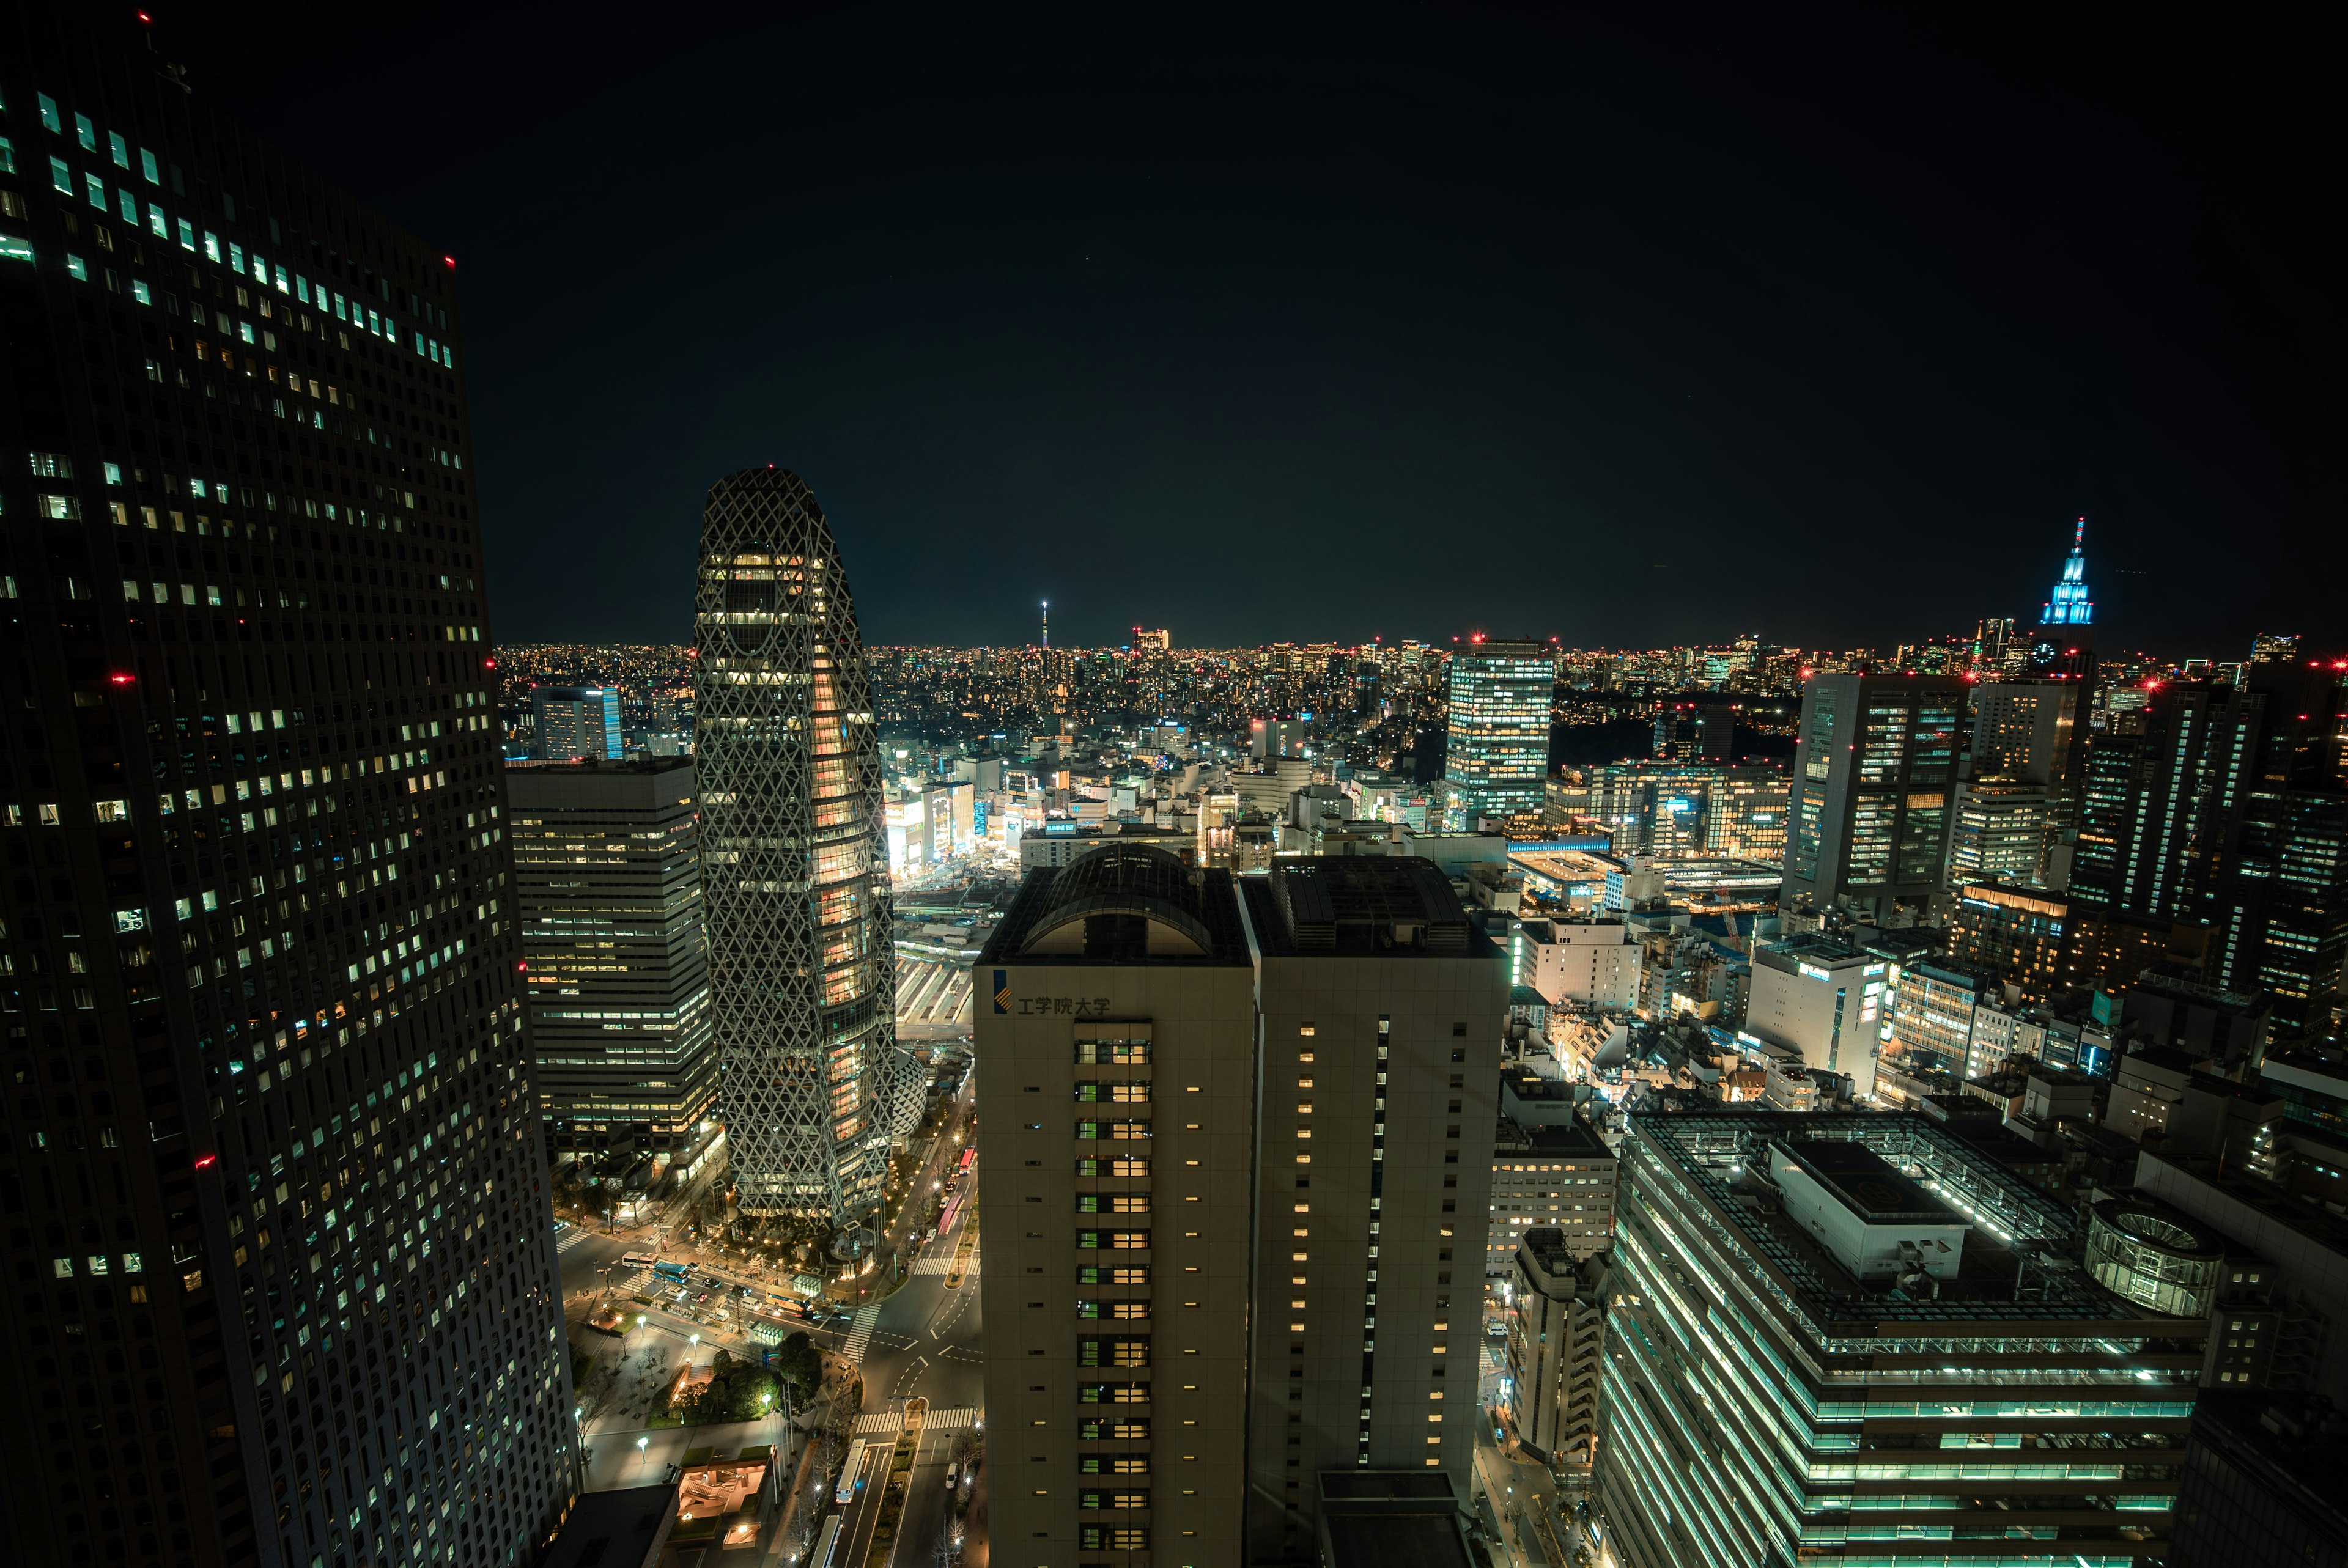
(2064, 647)
(2071, 606)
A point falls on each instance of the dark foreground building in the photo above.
(279, 1276)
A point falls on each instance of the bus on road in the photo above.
(826, 1545)
(849, 1479)
(675, 1271)
(638, 1259)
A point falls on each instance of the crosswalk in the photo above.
(941, 1266)
(568, 1240)
(859, 1333)
(954, 1417)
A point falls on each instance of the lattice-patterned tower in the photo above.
(793, 857)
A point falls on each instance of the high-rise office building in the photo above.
(276, 1221)
(1689, 731)
(1497, 754)
(1382, 1009)
(2274, 648)
(1992, 639)
(1854, 1339)
(794, 856)
(1745, 812)
(1268, 1247)
(2000, 834)
(1115, 1043)
(1874, 767)
(607, 859)
(2026, 729)
(2230, 809)
(2047, 944)
(1654, 808)
(575, 724)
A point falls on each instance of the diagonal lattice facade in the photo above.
(794, 859)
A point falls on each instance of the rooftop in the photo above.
(1866, 1183)
(1392, 906)
(623, 1529)
(1123, 903)
(1574, 1139)
(1392, 1519)
(2022, 1261)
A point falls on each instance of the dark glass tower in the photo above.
(795, 859)
(277, 1250)
(2231, 811)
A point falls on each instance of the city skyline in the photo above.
(492, 1099)
(1613, 301)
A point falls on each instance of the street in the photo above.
(922, 1340)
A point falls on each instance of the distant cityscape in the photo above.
(1449, 1103)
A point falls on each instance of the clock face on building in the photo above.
(2044, 653)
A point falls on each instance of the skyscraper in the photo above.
(1382, 1009)
(1116, 1037)
(2063, 645)
(1498, 749)
(1873, 768)
(277, 1218)
(793, 857)
(576, 722)
(2231, 810)
(1276, 1099)
(2001, 831)
(607, 859)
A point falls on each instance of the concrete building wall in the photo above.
(1202, 1080)
(1349, 1238)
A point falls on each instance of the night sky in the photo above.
(1285, 325)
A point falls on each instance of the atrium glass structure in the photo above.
(794, 859)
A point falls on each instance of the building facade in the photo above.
(1556, 1319)
(1874, 768)
(2001, 831)
(278, 1215)
(794, 855)
(607, 862)
(2230, 811)
(575, 724)
(1498, 752)
(1852, 1339)
(1824, 998)
(1381, 1010)
(1557, 1176)
(1590, 961)
(1116, 1041)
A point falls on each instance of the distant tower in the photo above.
(794, 859)
(2061, 652)
(1048, 623)
(2070, 606)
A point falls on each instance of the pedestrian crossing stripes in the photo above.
(568, 1240)
(952, 1418)
(859, 1334)
(941, 1266)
